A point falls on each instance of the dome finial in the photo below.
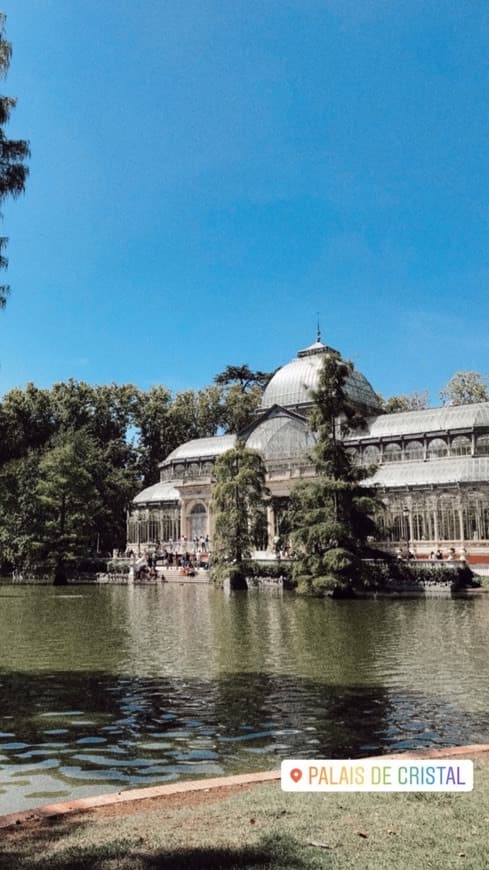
(318, 331)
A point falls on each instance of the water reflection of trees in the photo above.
(145, 684)
(237, 722)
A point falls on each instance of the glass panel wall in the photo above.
(198, 522)
(371, 455)
(392, 453)
(437, 448)
(482, 445)
(414, 450)
(461, 446)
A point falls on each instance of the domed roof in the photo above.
(292, 384)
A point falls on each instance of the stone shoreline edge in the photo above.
(58, 810)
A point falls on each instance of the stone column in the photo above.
(411, 525)
(183, 527)
(207, 518)
(460, 523)
(435, 525)
(270, 526)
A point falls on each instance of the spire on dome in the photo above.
(318, 346)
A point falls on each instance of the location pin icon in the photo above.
(296, 774)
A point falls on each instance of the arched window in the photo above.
(414, 450)
(461, 446)
(198, 521)
(448, 523)
(475, 514)
(471, 515)
(482, 445)
(170, 524)
(154, 527)
(392, 453)
(400, 527)
(352, 454)
(371, 455)
(437, 448)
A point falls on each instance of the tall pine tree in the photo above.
(13, 152)
(330, 517)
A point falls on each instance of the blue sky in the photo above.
(207, 175)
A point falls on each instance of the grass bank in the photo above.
(261, 827)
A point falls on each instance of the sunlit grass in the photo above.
(264, 827)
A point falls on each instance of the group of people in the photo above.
(186, 559)
(186, 562)
(437, 555)
(201, 544)
(146, 573)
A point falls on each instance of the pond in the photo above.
(105, 688)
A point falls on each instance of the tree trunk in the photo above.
(237, 580)
(60, 578)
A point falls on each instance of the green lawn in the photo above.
(265, 828)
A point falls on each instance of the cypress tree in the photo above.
(237, 504)
(330, 517)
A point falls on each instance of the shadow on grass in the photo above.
(277, 852)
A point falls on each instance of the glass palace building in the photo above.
(432, 469)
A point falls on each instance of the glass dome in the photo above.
(292, 384)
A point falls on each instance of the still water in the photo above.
(106, 688)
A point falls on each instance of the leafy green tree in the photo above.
(164, 422)
(31, 417)
(68, 499)
(105, 414)
(33, 424)
(26, 421)
(243, 376)
(239, 407)
(415, 401)
(13, 152)
(19, 514)
(152, 424)
(238, 496)
(242, 390)
(72, 403)
(129, 432)
(330, 517)
(195, 414)
(117, 482)
(114, 409)
(465, 388)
